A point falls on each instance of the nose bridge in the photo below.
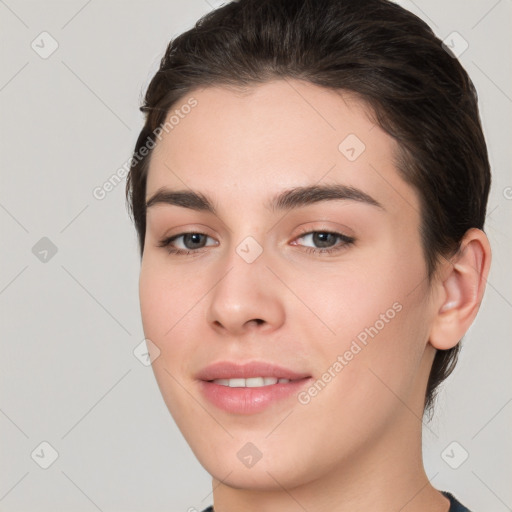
(244, 273)
(245, 261)
(245, 294)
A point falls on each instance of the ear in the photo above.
(461, 285)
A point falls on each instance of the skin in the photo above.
(357, 444)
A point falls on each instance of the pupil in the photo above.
(193, 238)
(322, 239)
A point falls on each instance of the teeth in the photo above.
(236, 383)
(252, 382)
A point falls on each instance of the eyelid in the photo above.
(184, 229)
(346, 240)
(166, 241)
(339, 229)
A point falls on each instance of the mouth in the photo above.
(251, 387)
(252, 382)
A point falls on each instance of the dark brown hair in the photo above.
(417, 90)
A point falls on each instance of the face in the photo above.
(282, 243)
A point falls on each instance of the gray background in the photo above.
(70, 320)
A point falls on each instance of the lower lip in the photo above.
(250, 400)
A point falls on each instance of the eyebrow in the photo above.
(287, 200)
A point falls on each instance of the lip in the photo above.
(248, 400)
(228, 369)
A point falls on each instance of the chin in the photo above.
(257, 478)
(239, 465)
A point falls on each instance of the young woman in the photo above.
(309, 191)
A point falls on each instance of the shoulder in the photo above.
(455, 505)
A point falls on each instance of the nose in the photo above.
(248, 297)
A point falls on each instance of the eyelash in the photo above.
(346, 241)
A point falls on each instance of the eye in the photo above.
(186, 243)
(324, 241)
(312, 241)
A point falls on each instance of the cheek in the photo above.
(154, 300)
(378, 311)
(167, 308)
(366, 293)
(164, 305)
(165, 295)
(172, 303)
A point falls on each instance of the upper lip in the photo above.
(233, 370)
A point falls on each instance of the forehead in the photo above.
(274, 136)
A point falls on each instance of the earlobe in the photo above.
(461, 290)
